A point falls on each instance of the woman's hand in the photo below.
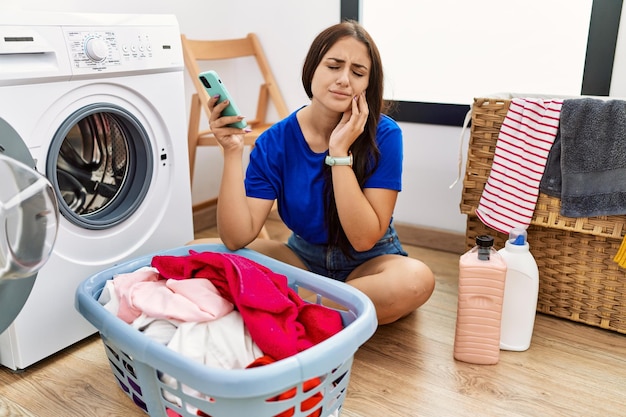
(350, 126)
(228, 137)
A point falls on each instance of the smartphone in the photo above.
(213, 85)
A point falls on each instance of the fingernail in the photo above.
(247, 130)
(216, 96)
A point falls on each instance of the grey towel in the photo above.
(592, 149)
(551, 180)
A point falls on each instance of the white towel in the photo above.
(526, 136)
(224, 343)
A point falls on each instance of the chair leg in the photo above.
(192, 134)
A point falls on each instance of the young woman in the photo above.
(334, 167)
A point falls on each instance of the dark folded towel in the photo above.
(592, 147)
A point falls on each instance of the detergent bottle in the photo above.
(520, 293)
(482, 272)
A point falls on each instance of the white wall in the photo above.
(550, 60)
(286, 29)
(431, 156)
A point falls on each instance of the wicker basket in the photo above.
(578, 279)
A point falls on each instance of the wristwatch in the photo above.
(338, 160)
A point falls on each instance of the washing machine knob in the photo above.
(96, 49)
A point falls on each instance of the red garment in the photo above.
(307, 386)
(279, 321)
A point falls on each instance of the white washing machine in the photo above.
(99, 102)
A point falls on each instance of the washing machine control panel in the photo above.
(121, 49)
(93, 49)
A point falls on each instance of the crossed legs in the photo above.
(397, 285)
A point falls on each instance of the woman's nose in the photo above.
(342, 78)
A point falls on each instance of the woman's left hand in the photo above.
(350, 126)
(228, 137)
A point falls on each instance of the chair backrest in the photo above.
(214, 50)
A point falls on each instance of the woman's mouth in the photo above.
(341, 94)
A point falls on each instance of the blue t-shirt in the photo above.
(283, 167)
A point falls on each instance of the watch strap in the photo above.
(338, 160)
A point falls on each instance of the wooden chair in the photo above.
(196, 51)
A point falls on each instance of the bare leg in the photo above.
(277, 250)
(397, 285)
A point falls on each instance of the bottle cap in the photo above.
(518, 236)
(484, 241)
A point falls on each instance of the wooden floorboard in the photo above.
(406, 369)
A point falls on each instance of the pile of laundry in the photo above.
(222, 310)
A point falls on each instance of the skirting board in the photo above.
(205, 215)
(409, 234)
(425, 237)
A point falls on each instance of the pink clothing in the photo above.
(143, 291)
(279, 321)
(124, 284)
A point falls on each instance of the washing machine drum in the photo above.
(29, 220)
(100, 165)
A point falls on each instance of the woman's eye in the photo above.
(333, 68)
(358, 74)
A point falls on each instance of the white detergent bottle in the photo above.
(521, 290)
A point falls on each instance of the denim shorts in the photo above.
(331, 262)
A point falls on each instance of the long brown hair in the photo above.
(364, 149)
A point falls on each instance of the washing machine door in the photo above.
(100, 166)
(29, 220)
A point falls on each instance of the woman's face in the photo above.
(342, 74)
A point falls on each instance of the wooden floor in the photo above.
(406, 369)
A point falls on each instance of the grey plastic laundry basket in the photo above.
(138, 362)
